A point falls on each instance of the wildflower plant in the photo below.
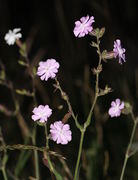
(60, 131)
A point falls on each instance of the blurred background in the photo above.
(47, 28)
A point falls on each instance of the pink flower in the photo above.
(48, 69)
(41, 113)
(60, 132)
(119, 51)
(84, 26)
(116, 107)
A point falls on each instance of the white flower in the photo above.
(12, 36)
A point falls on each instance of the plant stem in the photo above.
(88, 120)
(47, 146)
(47, 138)
(129, 146)
(4, 173)
(51, 167)
(66, 98)
(79, 154)
(35, 154)
(35, 103)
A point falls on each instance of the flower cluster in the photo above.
(60, 132)
(116, 107)
(12, 36)
(84, 26)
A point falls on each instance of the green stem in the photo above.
(37, 173)
(4, 173)
(66, 98)
(88, 120)
(51, 167)
(79, 155)
(35, 154)
(21, 147)
(47, 138)
(47, 147)
(129, 146)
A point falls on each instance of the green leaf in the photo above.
(4, 160)
(23, 158)
(34, 71)
(22, 63)
(2, 75)
(22, 52)
(57, 175)
(133, 149)
(24, 92)
(93, 44)
(24, 47)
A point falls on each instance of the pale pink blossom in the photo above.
(60, 132)
(48, 69)
(41, 113)
(12, 36)
(116, 107)
(84, 26)
(119, 51)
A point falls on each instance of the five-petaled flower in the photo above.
(60, 132)
(84, 26)
(48, 69)
(12, 36)
(41, 113)
(116, 107)
(119, 51)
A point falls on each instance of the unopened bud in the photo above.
(107, 55)
(101, 32)
(127, 108)
(95, 32)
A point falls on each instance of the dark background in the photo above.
(48, 26)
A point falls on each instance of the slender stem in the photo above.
(4, 173)
(47, 146)
(4, 158)
(88, 120)
(35, 103)
(129, 146)
(79, 155)
(35, 154)
(47, 138)
(51, 167)
(22, 147)
(66, 98)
